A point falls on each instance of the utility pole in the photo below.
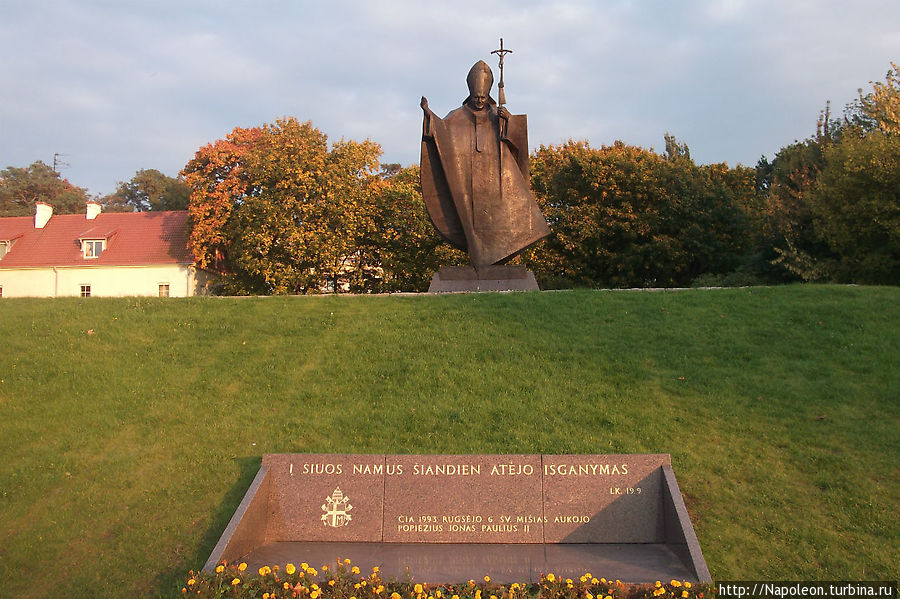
(58, 164)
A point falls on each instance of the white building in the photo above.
(97, 254)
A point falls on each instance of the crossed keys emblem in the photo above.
(336, 510)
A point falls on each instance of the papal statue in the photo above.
(475, 175)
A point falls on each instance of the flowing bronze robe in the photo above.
(475, 183)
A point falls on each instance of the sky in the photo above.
(116, 86)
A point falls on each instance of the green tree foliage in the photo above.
(792, 245)
(20, 188)
(831, 201)
(405, 244)
(622, 216)
(856, 207)
(148, 190)
(882, 105)
(274, 210)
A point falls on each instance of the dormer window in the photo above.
(4, 247)
(93, 247)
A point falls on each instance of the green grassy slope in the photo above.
(132, 427)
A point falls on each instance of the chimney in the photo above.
(93, 209)
(42, 214)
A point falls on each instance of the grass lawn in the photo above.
(131, 428)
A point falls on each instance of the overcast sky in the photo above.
(116, 86)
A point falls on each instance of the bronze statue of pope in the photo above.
(475, 176)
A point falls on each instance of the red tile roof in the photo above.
(133, 238)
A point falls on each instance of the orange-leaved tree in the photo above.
(274, 210)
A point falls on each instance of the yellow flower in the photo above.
(375, 570)
(312, 572)
(331, 582)
(685, 594)
(183, 590)
(287, 586)
(364, 583)
(379, 589)
(594, 581)
(357, 586)
(242, 567)
(304, 566)
(191, 582)
(314, 586)
(418, 589)
(687, 585)
(583, 578)
(437, 594)
(235, 582)
(478, 594)
(315, 594)
(265, 596)
(675, 583)
(396, 595)
(290, 569)
(487, 578)
(493, 596)
(589, 596)
(455, 597)
(265, 571)
(658, 584)
(551, 577)
(354, 569)
(658, 592)
(220, 569)
(346, 561)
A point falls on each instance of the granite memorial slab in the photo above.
(449, 518)
(463, 499)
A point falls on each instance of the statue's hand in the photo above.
(423, 103)
(503, 113)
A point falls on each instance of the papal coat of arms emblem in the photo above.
(336, 508)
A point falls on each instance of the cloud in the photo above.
(122, 86)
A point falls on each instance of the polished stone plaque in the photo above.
(453, 517)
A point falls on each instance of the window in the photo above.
(4, 247)
(85, 291)
(163, 290)
(1, 291)
(93, 248)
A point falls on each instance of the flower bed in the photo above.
(345, 581)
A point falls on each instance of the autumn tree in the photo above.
(831, 201)
(856, 208)
(148, 190)
(882, 104)
(622, 216)
(404, 243)
(20, 188)
(274, 210)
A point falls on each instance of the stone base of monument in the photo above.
(487, 278)
(449, 519)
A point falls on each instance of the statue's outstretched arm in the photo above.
(427, 129)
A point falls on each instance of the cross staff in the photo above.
(501, 95)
